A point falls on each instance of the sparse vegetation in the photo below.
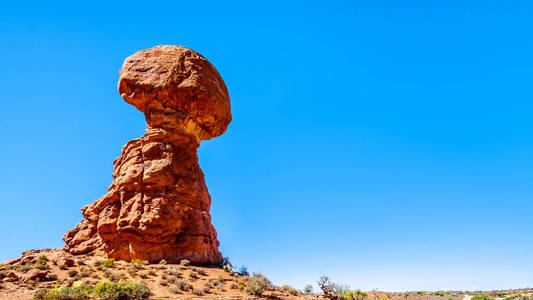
(42, 262)
(173, 272)
(193, 276)
(258, 284)
(243, 271)
(23, 268)
(85, 272)
(197, 292)
(109, 263)
(289, 290)
(179, 286)
(103, 290)
(308, 289)
(138, 263)
(131, 270)
(72, 273)
(480, 297)
(332, 290)
(185, 262)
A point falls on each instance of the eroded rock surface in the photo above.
(157, 206)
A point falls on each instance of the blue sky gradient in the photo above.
(387, 144)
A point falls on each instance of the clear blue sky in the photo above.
(387, 144)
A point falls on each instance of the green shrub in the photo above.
(103, 290)
(138, 263)
(480, 297)
(258, 284)
(109, 263)
(23, 268)
(289, 290)
(356, 295)
(336, 291)
(42, 262)
(121, 290)
(308, 289)
(72, 273)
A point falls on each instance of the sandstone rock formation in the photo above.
(157, 206)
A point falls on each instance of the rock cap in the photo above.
(178, 79)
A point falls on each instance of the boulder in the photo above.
(33, 274)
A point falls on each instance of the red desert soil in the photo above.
(20, 279)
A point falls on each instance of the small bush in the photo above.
(289, 290)
(216, 283)
(336, 291)
(138, 263)
(258, 284)
(42, 262)
(103, 290)
(243, 271)
(308, 289)
(193, 275)
(180, 285)
(97, 263)
(50, 277)
(480, 297)
(185, 262)
(357, 295)
(197, 292)
(109, 263)
(223, 262)
(163, 262)
(151, 273)
(121, 290)
(23, 268)
(85, 272)
(72, 273)
(173, 271)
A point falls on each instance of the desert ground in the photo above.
(56, 274)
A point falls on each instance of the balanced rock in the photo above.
(157, 206)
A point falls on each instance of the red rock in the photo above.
(157, 206)
(33, 274)
(12, 276)
(66, 261)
